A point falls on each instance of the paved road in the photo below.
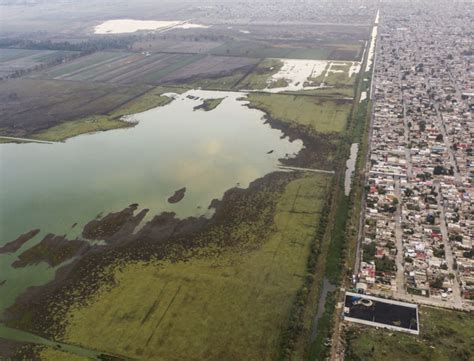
(407, 141)
(447, 143)
(430, 301)
(399, 241)
(447, 247)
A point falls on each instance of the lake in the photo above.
(53, 186)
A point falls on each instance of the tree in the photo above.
(422, 125)
(437, 283)
(369, 252)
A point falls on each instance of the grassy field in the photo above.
(335, 92)
(318, 114)
(339, 75)
(98, 123)
(444, 335)
(258, 78)
(226, 82)
(151, 99)
(209, 104)
(73, 128)
(256, 49)
(51, 354)
(231, 305)
(239, 79)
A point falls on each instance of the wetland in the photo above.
(172, 147)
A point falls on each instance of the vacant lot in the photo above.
(444, 335)
(318, 114)
(31, 105)
(19, 60)
(223, 303)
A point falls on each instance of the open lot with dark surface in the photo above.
(30, 105)
(382, 312)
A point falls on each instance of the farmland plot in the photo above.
(86, 62)
(13, 60)
(289, 50)
(30, 105)
(171, 46)
(211, 65)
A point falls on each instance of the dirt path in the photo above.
(312, 170)
(27, 140)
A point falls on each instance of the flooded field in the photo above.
(171, 148)
(122, 26)
(297, 75)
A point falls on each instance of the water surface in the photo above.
(53, 186)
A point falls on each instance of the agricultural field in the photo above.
(121, 68)
(83, 63)
(145, 68)
(32, 105)
(255, 49)
(444, 335)
(211, 66)
(18, 61)
(319, 115)
(171, 46)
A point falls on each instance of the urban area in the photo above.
(417, 239)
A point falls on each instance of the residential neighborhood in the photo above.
(417, 241)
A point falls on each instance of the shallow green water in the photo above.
(51, 187)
